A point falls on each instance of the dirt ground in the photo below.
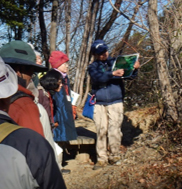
(146, 163)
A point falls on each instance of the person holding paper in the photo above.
(108, 87)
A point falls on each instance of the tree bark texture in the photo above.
(53, 29)
(113, 17)
(83, 59)
(82, 49)
(68, 20)
(167, 94)
(43, 32)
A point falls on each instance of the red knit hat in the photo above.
(57, 58)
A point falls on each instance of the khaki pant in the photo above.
(108, 121)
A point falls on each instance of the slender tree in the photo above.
(163, 73)
(43, 32)
(68, 23)
(53, 29)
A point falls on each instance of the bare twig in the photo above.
(127, 17)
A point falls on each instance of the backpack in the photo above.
(7, 128)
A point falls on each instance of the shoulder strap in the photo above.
(18, 95)
(7, 128)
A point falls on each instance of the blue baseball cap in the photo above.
(99, 47)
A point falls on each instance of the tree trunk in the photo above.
(82, 50)
(87, 88)
(68, 20)
(53, 30)
(85, 61)
(167, 94)
(111, 20)
(43, 32)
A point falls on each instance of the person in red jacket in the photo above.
(26, 158)
(20, 56)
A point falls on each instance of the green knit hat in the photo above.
(20, 53)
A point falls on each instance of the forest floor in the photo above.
(150, 160)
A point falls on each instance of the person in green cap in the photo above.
(20, 56)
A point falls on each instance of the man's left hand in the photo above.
(137, 64)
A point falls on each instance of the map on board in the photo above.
(126, 62)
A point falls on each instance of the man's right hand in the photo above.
(119, 72)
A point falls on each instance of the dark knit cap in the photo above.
(99, 47)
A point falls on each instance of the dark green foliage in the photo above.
(18, 15)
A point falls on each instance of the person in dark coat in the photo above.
(108, 88)
(51, 83)
(63, 115)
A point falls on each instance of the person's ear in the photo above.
(18, 73)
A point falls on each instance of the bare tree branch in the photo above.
(127, 17)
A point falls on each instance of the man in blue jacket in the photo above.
(108, 87)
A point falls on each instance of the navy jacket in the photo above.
(63, 114)
(107, 88)
(29, 161)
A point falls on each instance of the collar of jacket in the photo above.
(6, 118)
(26, 91)
(22, 92)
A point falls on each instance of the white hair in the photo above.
(36, 52)
(31, 45)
